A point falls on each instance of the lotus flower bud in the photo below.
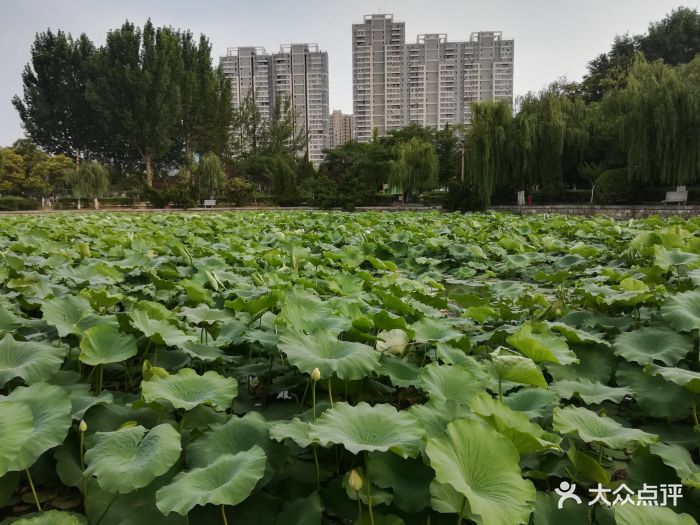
(82, 426)
(355, 480)
(316, 374)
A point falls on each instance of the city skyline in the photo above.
(581, 32)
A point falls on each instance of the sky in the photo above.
(553, 38)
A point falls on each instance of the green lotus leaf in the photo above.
(401, 372)
(656, 396)
(9, 321)
(526, 436)
(408, 479)
(393, 341)
(592, 428)
(305, 312)
(483, 467)
(82, 399)
(206, 315)
(31, 361)
(368, 428)
(665, 259)
(585, 466)
(540, 348)
(645, 515)
(517, 369)
(574, 335)
(588, 391)
(449, 383)
(429, 329)
(302, 511)
(323, 350)
(132, 457)
(236, 435)
(653, 343)
(187, 389)
(533, 402)
(51, 410)
(548, 513)
(682, 377)
(104, 344)
(51, 517)
(17, 426)
(159, 331)
(680, 460)
(682, 311)
(434, 416)
(295, 429)
(68, 314)
(227, 481)
(205, 353)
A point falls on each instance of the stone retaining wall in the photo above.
(614, 212)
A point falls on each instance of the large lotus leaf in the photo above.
(323, 350)
(589, 392)
(685, 378)
(449, 383)
(204, 314)
(295, 429)
(408, 479)
(539, 347)
(401, 372)
(227, 481)
(592, 428)
(31, 361)
(526, 436)
(68, 314)
(655, 395)
(646, 515)
(433, 330)
(82, 399)
(548, 513)
(595, 364)
(682, 311)
(187, 389)
(51, 410)
(483, 467)
(51, 517)
(664, 258)
(106, 344)
(304, 312)
(301, 511)
(393, 341)
(574, 335)
(533, 402)
(158, 330)
(132, 457)
(517, 369)
(236, 435)
(368, 428)
(434, 416)
(17, 426)
(680, 460)
(653, 343)
(9, 321)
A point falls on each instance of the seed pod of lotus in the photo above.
(316, 374)
(355, 480)
(82, 426)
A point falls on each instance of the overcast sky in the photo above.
(553, 38)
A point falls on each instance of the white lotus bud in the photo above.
(355, 480)
(82, 426)
(316, 374)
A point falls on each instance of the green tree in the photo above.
(52, 171)
(415, 168)
(53, 108)
(675, 39)
(285, 134)
(211, 177)
(660, 114)
(248, 129)
(136, 91)
(91, 181)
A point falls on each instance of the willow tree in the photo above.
(211, 177)
(415, 168)
(91, 181)
(660, 110)
(488, 148)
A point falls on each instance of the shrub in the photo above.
(613, 187)
(11, 203)
(238, 191)
(177, 195)
(434, 198)
(462, 196)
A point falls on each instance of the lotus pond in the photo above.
(300, 368)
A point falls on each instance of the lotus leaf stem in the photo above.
(369, 490)
(31, 485)
(223, 514)
(461, 511)
(330, 392)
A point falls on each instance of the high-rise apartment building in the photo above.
(378, 67)
(340, 129)
(248, 67)
(299, 73)
(431, 82)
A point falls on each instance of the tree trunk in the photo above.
(188, 161)
(77, 159)
(149, 170)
